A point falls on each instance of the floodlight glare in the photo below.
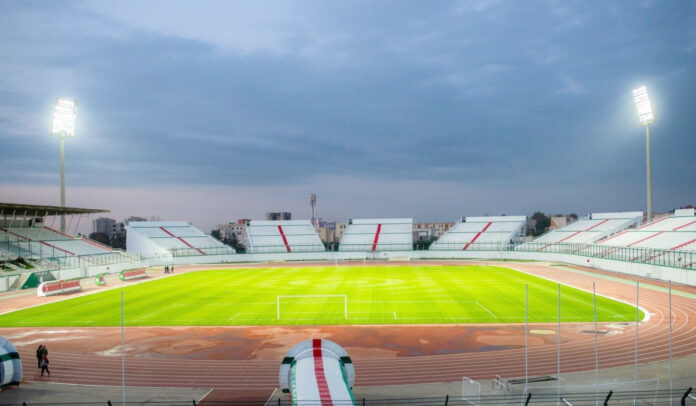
(646, 117)
(643, 107)
(64, 116)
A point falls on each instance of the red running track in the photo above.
(85, 365)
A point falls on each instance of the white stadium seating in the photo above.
(283, 236)
(51, 246)
(584, 231)
(176, 238)
(674, 233)
(481, 233)
(378, 235)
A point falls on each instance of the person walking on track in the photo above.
(39, 355)
(44, 366)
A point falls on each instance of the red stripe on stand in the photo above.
(683, 245)
(671, 249)
(646, 238)
(574, 234)
(324, 393)
(687, 224)
(285, 240)
(182, 240)
(653, 222)
(374, 243)
(477, 235)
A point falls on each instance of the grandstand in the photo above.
(482, 233)
(670, 233)
(24, 235)
(283, 236)
(584, 231)
(378, 235)
(167, 239)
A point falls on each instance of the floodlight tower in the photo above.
(646, 117)
(64, 116)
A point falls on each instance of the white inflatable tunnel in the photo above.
(318, 372)
(11, 365)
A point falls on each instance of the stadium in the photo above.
(431, 132)
(508, 318)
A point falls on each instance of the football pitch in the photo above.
(426, 294)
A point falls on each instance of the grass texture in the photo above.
(383, 294)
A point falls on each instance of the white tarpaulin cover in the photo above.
(318, 372)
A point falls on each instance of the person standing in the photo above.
(39, 354)
(44, 366)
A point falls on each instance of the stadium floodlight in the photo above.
(63, 126)
(64, 116)
(646, 117)
(643, 107)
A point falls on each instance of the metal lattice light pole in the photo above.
(646, 117)
(64, 116)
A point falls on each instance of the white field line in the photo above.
(145, 316)
(394, 315)
(616, 315)
(486, 309)
(645, 311)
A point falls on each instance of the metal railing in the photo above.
(188, 252)
(659, 398)
(653, 256)
(681, 259)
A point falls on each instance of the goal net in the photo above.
(296, 306)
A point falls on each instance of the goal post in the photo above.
(291, 297)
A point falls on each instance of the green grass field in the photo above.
(374, 295)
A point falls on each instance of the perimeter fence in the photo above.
(660, 398)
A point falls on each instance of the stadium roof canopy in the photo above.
(14, 209)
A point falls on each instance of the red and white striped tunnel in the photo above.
(318, 372)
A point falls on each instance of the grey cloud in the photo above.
(512, 94)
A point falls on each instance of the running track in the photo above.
(577, 351)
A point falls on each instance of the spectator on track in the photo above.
(44, 352)
(44, 366)
(172, 269)
(39, 355)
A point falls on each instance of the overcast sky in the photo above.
(209, 111)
